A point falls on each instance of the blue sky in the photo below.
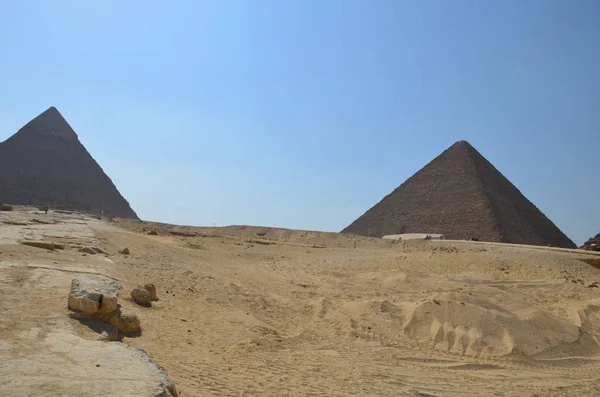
(304, 114)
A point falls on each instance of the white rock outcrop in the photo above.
(91, 294)
(63, 364)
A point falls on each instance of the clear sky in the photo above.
(304, 114)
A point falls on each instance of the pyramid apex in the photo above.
(462, 143)
(51, 111)
(50, 123)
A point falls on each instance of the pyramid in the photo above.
(592, 244)
(44, 163)
(461, 195)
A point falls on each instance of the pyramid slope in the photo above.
(517, 218)
(592, 244)
(460, 195)
(44, 163)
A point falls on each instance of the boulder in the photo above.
(98, 250)
(150, 231)
(92, 250)
(40, 244)
(182, 233)
(141, 296)
(6, 207)
(87, 250)
(111, 318)
(124, 251)
(128, 322)
(123, 320)
(152, 290)
(91, 294)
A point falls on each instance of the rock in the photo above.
(182, 233)
(124, 321)
(169, 385)
(43, 222)
(61, 363)
(6, 207)
(87, 250)
(150, 231)
(152, 290)
(124, 251)
(91, 294)
(92, 250)
(112, 318)
(388, 307)
(128, 322)
(141, 296)
(39, 244)
(111, 335)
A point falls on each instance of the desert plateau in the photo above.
(256, 311)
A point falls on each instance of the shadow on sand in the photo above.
(101, 328)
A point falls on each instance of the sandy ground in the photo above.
(250, 311)
(43, 351)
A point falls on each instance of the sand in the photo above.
(252, 311)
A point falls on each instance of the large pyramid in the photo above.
(44, 163)
(461, 195)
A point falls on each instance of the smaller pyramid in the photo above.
(44, 163)
(461, 195)
(592, 244)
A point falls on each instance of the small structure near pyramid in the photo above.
(45, 164)
(461, 195)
